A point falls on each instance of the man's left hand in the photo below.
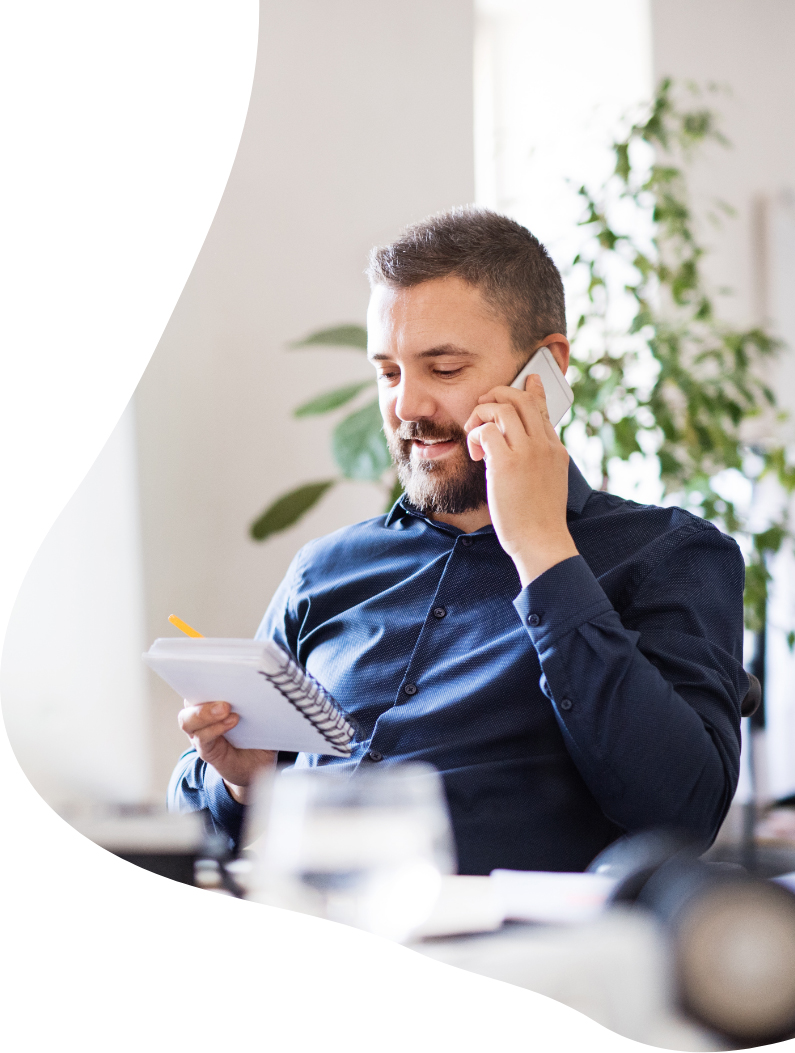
(527, 476)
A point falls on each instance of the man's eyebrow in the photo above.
(432, 352)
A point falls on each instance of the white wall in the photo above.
(778, 283)
(549, 105)
(360, 122)
(749, 48)
(74, 694)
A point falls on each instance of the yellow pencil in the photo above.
(183, 626)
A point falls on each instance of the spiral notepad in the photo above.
(281, 707)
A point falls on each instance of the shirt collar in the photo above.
(579, 492)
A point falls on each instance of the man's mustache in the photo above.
(421, 429)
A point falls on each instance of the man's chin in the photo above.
(444, 488)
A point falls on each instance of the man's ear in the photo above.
(559, 346)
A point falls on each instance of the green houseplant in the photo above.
(673, 384)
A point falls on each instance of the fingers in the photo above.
(534, 387)
(529, 403)
(513, 425)
(194, 718)
(205, 725)
(486, 441)
(208, 738)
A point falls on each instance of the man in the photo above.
(569, 661)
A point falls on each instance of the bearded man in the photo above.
(569, 661)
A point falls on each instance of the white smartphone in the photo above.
(556, 388)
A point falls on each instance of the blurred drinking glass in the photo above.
(366, 850)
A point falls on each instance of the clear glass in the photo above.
(367, 850)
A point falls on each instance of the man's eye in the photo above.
(388, 375)
(448, 372)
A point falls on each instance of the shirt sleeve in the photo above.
(196, 786)
(281, 620)
(649, 702)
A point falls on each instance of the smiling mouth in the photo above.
(432, 449)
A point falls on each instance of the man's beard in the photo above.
(451, 486)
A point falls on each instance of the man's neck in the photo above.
(467, 521)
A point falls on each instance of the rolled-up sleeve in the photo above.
(648, 703)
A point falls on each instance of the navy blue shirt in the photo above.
(603, 698)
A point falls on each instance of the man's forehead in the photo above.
(437, 318)
(436, 294)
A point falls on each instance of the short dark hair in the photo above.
(498, 255)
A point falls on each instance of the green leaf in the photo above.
(288, 509)
(359, 446)
(331, 400)
(622, 160)
(769, 540)
(337, 336)
(625, 432)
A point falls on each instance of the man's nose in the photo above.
(413, 401)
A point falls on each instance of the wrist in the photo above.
(531, 563)
(237, 793)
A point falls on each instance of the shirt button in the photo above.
(374, 755)
(533, 619)
(467, 541)
(566, 704)
(439, 612)
(409, 689)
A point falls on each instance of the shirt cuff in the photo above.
(225, 810)
(562, 598)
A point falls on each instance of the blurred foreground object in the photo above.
(166, 843)
(733, 940)
(368, 850)
(732, 935)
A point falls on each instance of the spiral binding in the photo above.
(312, 701)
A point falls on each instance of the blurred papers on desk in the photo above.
(465, 904)
(544, 896)
(481, 904)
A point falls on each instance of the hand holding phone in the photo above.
(558, 394)
(527, 468)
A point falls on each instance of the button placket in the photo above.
(437, 613)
